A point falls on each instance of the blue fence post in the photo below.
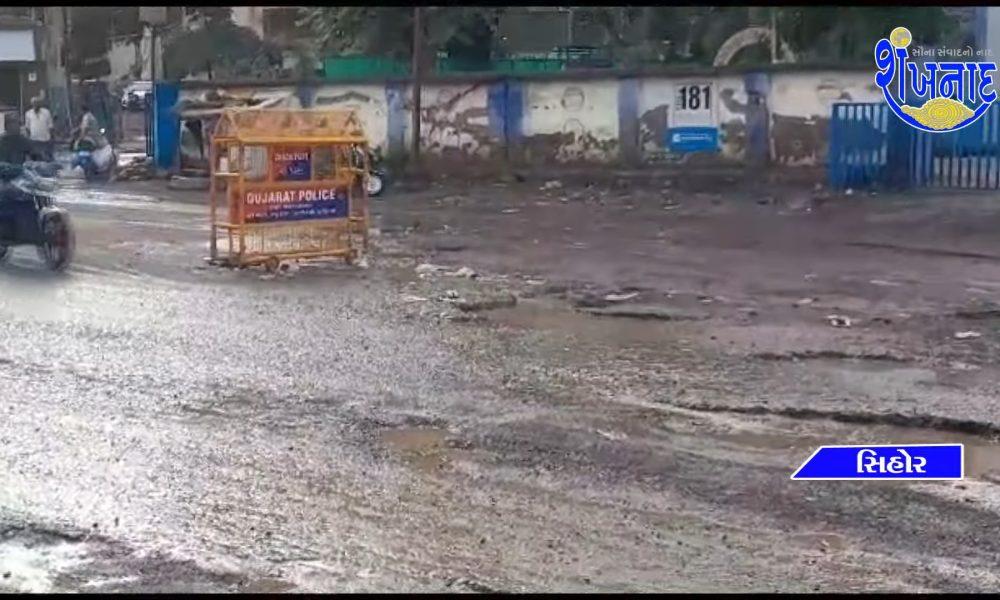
(628, 120)
(899, 147)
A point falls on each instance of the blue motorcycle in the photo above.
(98, 164)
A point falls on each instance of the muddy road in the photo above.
(168, 426)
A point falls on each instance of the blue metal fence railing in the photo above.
(870, 147)
(859, 145)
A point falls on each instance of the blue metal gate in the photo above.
(864, 146)
(871, 147)
(968, 158)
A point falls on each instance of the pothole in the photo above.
(830, 355)
(425, 448)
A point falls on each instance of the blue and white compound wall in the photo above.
(590, 118)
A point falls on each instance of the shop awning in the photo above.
(17, 45)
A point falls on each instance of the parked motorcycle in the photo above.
(377, 176)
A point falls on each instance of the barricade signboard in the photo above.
(296, 204)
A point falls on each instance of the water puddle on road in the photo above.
(425, 448)
(800, 437)
(543, 316)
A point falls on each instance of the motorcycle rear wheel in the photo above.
(60, 244)
(374, 185)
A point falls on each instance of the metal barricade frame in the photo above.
(272, 217)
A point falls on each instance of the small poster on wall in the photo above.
(693, 105)
(692, 139)
(693, 125)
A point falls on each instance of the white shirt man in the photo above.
(38, 120)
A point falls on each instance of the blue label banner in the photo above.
(298, 204)
(919, 461)
(693, 139)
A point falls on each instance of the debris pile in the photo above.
(139, 168)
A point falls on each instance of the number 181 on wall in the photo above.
(694, 97)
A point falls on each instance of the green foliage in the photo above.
(90, 40)
(849, 33)
(634, 35)
(694, 34)
(222, 49)
(387, 31)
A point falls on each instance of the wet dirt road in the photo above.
(168, 426)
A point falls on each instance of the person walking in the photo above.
(38, 121)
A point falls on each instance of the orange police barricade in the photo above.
(293, 181)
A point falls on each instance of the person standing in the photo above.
(38, 121)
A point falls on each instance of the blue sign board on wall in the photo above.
(693, 139)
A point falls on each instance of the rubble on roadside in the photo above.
(138, 169)
(839, 320)
(967, 335)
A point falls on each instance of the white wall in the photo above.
(571, 120)
(578, 120)
(368, 100)
(813, 94)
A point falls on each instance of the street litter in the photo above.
(510, 211)
(883, 282)
(620, 297)
(611, 435)
(967, 335)
(429, 268)
(412, 298)
(805, 301)
(464, 272)
(552, 185)
(961, 366)
(838, 320)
